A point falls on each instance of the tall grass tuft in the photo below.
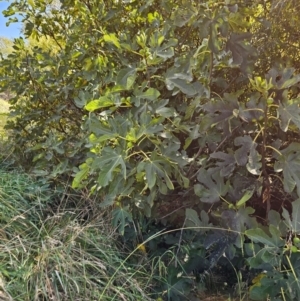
(48, 254)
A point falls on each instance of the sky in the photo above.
(14, 29)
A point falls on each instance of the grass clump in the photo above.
(46, 255)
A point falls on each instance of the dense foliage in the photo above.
(185, 111)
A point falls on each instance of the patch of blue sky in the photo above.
(14, 29)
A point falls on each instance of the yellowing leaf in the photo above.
(112, 39)
(100, 103)
(142, 248)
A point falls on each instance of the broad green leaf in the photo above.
(95, 140)
(262, 291)
(287, 218)
(258, 235)
(111, 38)
(106, 175)
(289, 112)
(108, 200)
(283, 79)
(241, 154)
(61, 168)
(157, 171)
(244, 220)
(289, 164)
(212, 186)
(88, 64)
(121, 216)
(221, 111)
(99, 127)
(150, 94)
(165, 112)
(276, 220)
(102, 102)
(241, 51)
(183, 15)
(254, 161)
(214, 41)
(247, 196)
(296, 216)
(193, 220)
(165, 53)
(132, 135)
(228, 163)
(31, 3)
(293, 221)
(82, 99)
(126, 77)
(274, 217)
(109, 100)
(109, 163)
(80, 175)
(189, 89)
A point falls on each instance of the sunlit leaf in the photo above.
(111, 38)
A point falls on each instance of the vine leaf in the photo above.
(289, 164)
(212, 186)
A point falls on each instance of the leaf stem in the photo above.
(274, 149)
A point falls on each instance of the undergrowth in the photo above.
(57, 253)
(59, 245)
